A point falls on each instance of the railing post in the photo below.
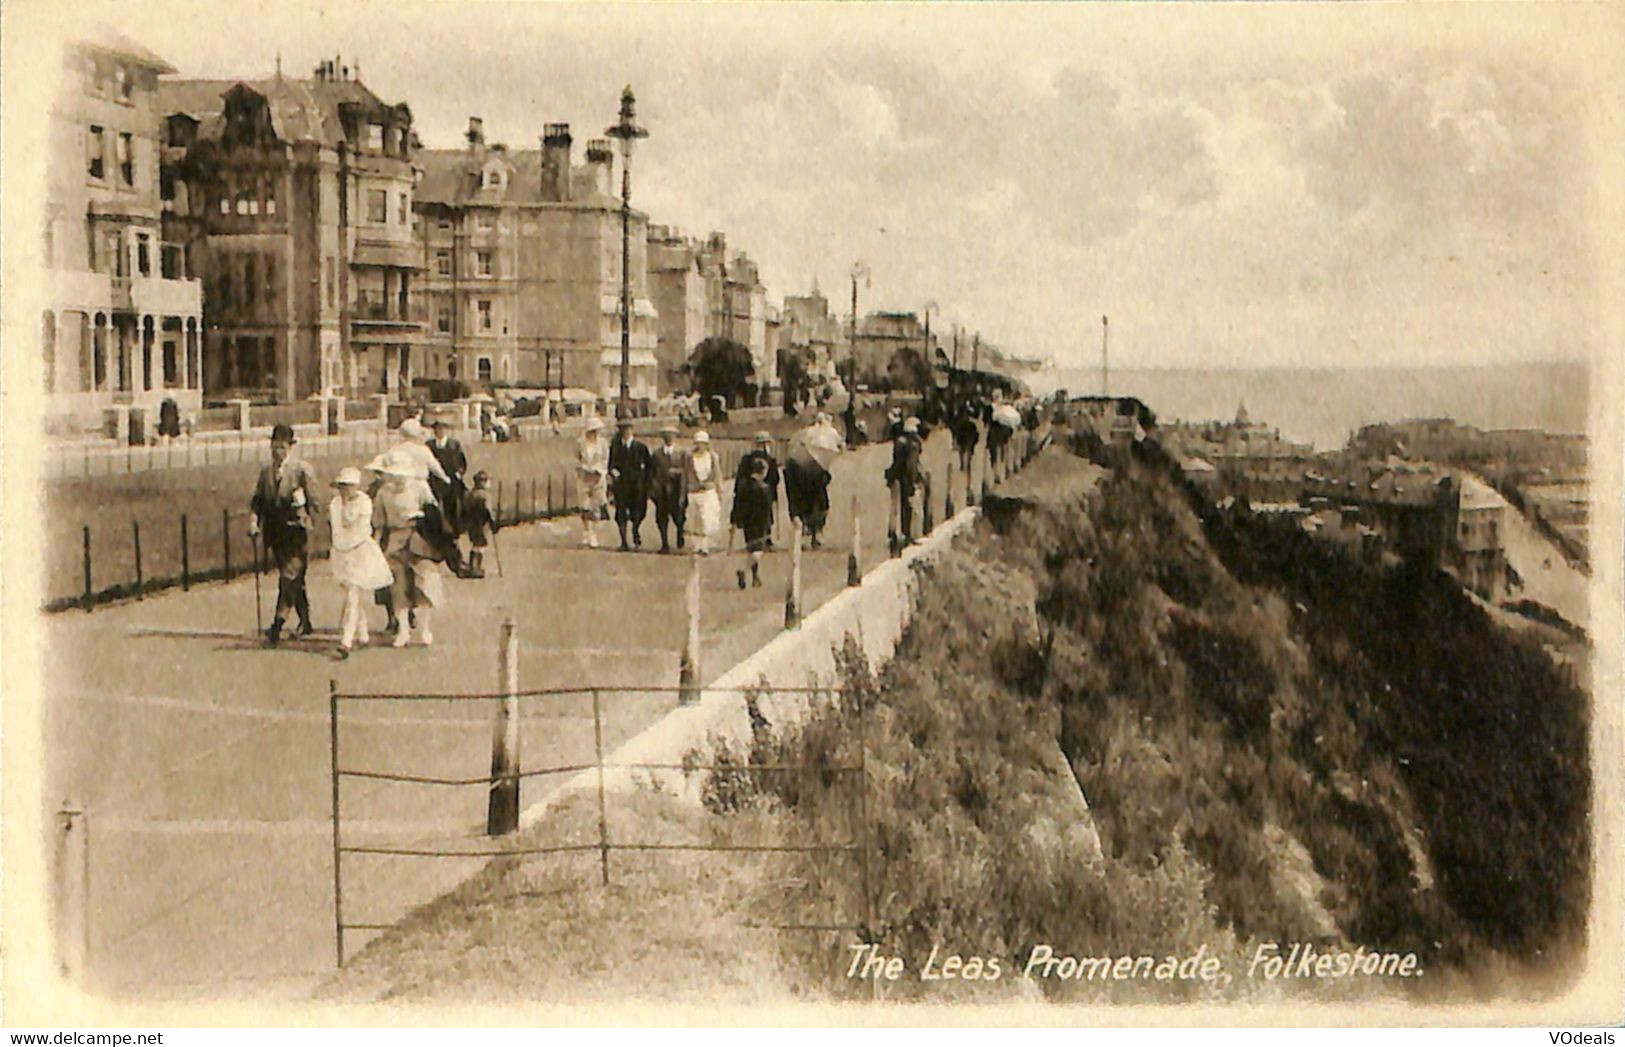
(532, 498)
(550, 495)
(792, 597)
(688, 668)
(135, 529)
(333, 766)
(88, 589)
(225, 541)
(854, 573)
(502, 815)
(603, 817)
(186, 558)
(948, 493)
(498, 515)
(72, 892)
(927, 521)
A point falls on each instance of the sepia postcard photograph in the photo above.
(525, 514)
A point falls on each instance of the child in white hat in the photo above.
(358, 563)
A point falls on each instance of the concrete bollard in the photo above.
(688, 668)
(72, 916)
(792, 596)
(854, 573)
(502, 815)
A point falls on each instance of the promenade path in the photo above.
(201, 757)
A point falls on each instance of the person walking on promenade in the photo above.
(358, 562)
(448, 451)
(966, 434)
(753, 514)
(592, 462)
(629, 466)
(669, 485)
(807, 475)
(283, 507)
(479, 521)
(413, 558)
(704, 479)
(903, 478)
(762, 452)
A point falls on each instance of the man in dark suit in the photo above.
(451, 493)
(763, 452)
(669, 486)
(284, 507)
(630, 464)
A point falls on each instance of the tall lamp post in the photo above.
(858, 269)
(626, 132)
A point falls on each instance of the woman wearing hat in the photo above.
(358, 563)
(592, 461)
(704, 474)
(416, 585)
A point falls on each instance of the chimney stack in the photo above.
(556, 144)
(601, 161)
(476, 138)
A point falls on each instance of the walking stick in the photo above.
(496, 547)
(259, 615)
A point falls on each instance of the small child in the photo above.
(754, 511)
(358, 563)
(477, 518)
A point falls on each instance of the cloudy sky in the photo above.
(1235, 185)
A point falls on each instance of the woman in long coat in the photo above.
(704, 474)
(592, 462)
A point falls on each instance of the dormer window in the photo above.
(375, 138)
(492, 177)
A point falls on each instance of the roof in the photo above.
(451, 176)
(111, 42)
(305, 109)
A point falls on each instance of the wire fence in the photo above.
(500, 789)
(178, 536)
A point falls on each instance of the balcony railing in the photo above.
(389, 309)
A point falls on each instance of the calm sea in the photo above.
(1323, 406)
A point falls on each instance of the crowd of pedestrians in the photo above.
(396, 523)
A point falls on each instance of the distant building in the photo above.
(812, 331)
(295, 198)
(524, 256)
(1479, 554)
(882, 336)
(123, 327)
(736, 304)
(680, 294)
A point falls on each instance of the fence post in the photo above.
(792, 598)
(927, 521)
(498, 516)
(854, 574)
(135, 529)
(502, 815)
(603, 819)
(186, 558)
(72, 892)
(88, 589)
(688, 668)
(333, 766)
(550, 494)
(948, 493)
(225, 540)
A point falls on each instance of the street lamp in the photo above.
(858, 269)
(626, 132)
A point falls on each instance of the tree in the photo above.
(907, 370)
(722, 368)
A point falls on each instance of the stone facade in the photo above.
(123, 326)
(295, 196)
(524, 267)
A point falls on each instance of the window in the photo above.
(483, 368)
(242, 201)
(250, 285)
(270, 279)
(444, 223)
(96, 153)
(121, 79)
(401, 207)
(332, 281)
(126, 158)
(442, 262)
(486, 221)
(377, 206)
(375, 137)
(485, 314)
(48, 344)
(442, 317)
(483, 260)
(143, 254)
(169, 262)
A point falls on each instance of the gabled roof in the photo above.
(300, 109)
(452, 176)
(115, 43)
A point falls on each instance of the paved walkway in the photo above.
(201, 757)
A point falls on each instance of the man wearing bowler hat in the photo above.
(669, 486)
(284, 507)
(629, 466)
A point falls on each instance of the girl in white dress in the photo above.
(704, 496)
(592, 460)
(358, 563)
